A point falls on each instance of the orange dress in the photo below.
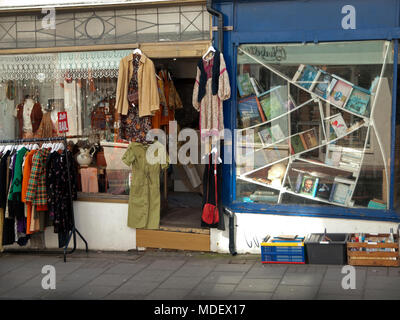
(169, 101)
(25, 181)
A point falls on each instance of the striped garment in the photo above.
(37, 193)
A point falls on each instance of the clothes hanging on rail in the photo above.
(34, 190)
(144, 195)
(210, 89)
(58, 199)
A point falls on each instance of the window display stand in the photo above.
(325, 141)
(74, 230)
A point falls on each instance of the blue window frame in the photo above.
(383, 25)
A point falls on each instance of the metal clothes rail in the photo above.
(74, 231)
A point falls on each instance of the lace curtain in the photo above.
(75, 65)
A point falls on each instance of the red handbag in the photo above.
(210, 213)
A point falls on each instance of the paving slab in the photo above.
(211, 291)
(302, 279)
(266, 271)
(167, 294)
(92, 292)
(258, 285)
(180, 283)
(372, 294)
(224, 277)
(284, 292)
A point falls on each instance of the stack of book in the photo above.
(350, 159)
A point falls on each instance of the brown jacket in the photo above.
(36, 117)
(149, 100)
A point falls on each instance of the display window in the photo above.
(314, 124)
(36, 89)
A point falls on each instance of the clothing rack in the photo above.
(74, 230)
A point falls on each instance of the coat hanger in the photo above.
(137, 51)
(209, 50)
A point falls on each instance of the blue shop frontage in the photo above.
(315, 118)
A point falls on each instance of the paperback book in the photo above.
(244, 85)
(324, 191)
(277, 133)
(310, 138)
(323, 84)
(272, 103)
(340, 193)
(296, 144)
(358, 101)
(309, 186)
(265, 136)
(338, 125)
(340, 91)
(248, 111)
(306, 76)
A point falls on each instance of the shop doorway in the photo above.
(181, 185)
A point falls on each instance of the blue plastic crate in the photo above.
(278, 253)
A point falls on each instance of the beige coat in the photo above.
(149, 101)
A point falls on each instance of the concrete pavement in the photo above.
(170, 275)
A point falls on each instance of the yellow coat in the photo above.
(149, 101)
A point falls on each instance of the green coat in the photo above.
(144, 195)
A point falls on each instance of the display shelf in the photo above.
(313, 94)
(260, 183)
(322, 164)
(305, 151)
(373, 93)
(278, 117)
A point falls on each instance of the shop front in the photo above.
(310, 140)
(70, 66)
(314, 110)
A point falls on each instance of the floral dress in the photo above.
(134, 128)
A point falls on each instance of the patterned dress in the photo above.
(134, 128)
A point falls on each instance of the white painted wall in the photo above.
(103, 225)
(252, 228)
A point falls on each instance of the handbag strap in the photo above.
(215, 180)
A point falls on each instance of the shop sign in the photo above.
(62, 122)
(271, 54)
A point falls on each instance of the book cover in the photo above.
(244, 85)
(248, 110)
(377, 204)
(299, 181)
(272, 103)
(358, 101)
(303, 141)
(308, 76)
(340, 193)
(324, 190)
(260, 110)
(308, 185)
(265, 136)
(296, 144)
(277, 133)
(338, 125)
(333, 158)
(340, 92)
(310, 138)
(323, 84)
(314, 191)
